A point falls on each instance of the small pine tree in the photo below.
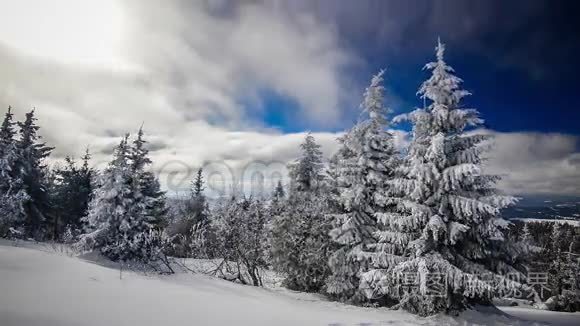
(557, 274)
(7, 132)
(198, 184)
(191, 230)
(555, 240)
(306, 172)
(279, 192)
(202, 236)
(278, 202)
(526, 235)
(574, 275)
(70, 195)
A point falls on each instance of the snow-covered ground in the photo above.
(42, 287)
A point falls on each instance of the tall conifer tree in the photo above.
(368, 159)
(152, 197)
(31, 165)
(12, 193)
(448, 228)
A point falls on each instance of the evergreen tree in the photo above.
(306, 172)
(447, 233)
(202, 233)
(111, 203)
(118, 221)
(365, 162)
(156, 207)
(574, 276)
(152, 197)
(196, 208)
(279, 192)
(12, 193)
(198, 184)
(299, 241)
(191, 229)
(555, 240)
(558, 275)
(526, 235)
(70, 195)
(85, 182)
(278, 202)
(527, 242)
(200, 208)
(7, 132)
(563, 280)
(32, 153)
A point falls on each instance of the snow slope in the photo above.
(50, 289)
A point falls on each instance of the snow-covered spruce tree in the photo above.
(118, 221)
(198, 185)
(111, 202)
(573, 282)
(305, 173)
(299, 241)
(151, 195)
(555, 243)
(361, 169)
(199, 209)
(151, 200)
(563, 275)
(557, 274)
(279, 192)
(564, 272)
(70, 194)
(526, 235)
(278, 201)
(202, 243)
(446, 243)
(31, 155)
(12, 193)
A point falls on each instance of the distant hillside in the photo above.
(545, 207)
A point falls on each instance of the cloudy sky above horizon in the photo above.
(232, 84)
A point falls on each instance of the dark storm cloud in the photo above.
(538, 37)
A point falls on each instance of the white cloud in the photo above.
(536, 163)
(194, 74)
(75, 32)
(209, 63)
(529, 162)
(184, 62)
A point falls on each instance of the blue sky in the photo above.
(518, 59)
(508, 97)
(227, 84)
